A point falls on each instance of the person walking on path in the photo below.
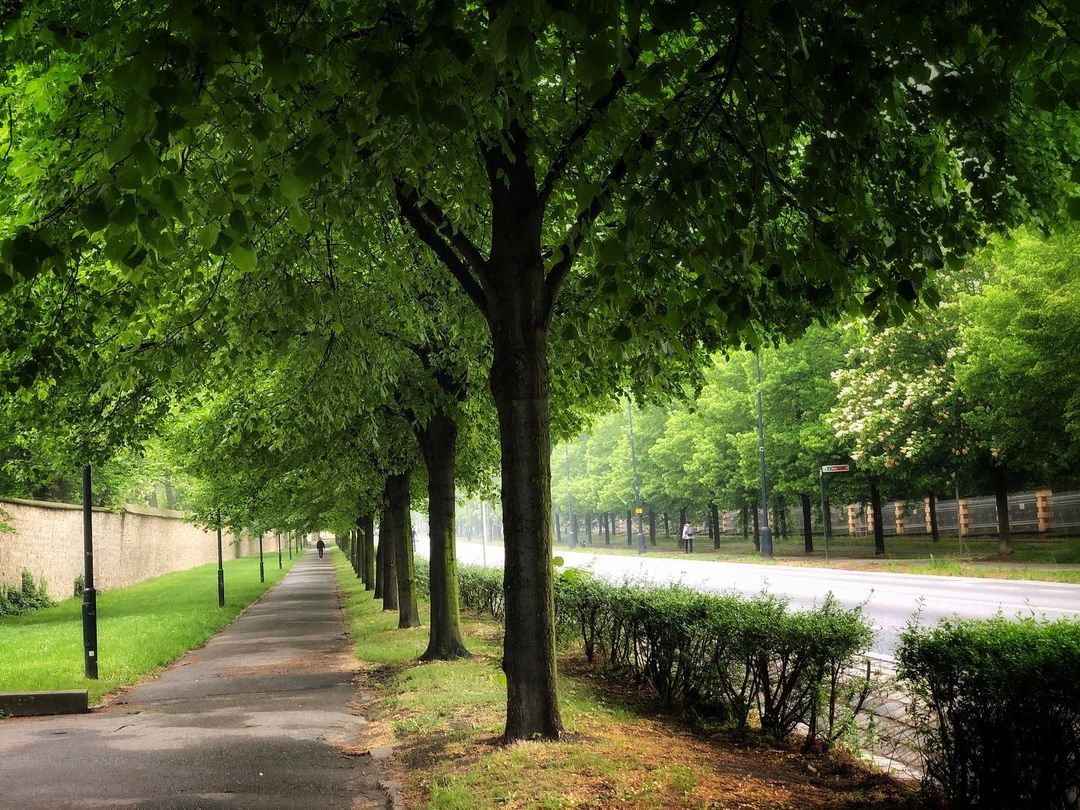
(320, 546)
(688, 538)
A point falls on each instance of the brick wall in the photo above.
(129, 546)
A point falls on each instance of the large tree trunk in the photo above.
(999, 478)
(652, 527)
(667, 525)
(438, 442)
(588, 529)
(398, 497)
(387, 532)
(746, 521)
(682, 524)
(807, 523)
(935, 532)
(558, 528)
(607, 528)
(368, 524)
(757, 529)
(380, 565)
(520, 387)
(357, 550)
(170, 495)
(875, 507)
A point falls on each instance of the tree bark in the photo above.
(518, 316)
(438, 443)
(709, 521)
(398, 497)
(629, 528)
(875, 506)
(667, 525)
(558, 529)
(358, 550)
(387, 532)
(682, 523)
(807, 523)
(380, 565)
(369, 551)
(607, 528)
(652, 527)
(745, 521)
(935, 532)
(170, 495)
(757, 529)
(999, 478)
(588, 529)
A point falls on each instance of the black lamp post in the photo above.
(766, 532)
(220, 569)
(89, 603)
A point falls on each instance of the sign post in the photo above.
(828, 469)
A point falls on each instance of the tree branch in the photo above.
(581, 132)
(645, 142)
(416, 214)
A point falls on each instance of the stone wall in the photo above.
(129, 546)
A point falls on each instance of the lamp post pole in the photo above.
(638, 510)
(220, 569)
(766, 532)
(262, 572)
(89, 603)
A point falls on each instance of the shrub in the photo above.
(27, 597)
(80, 585)
(717, 657)
(720, 656)
(997, 711)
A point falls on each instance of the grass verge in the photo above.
(444, 720)
(141, 628)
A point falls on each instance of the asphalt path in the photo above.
(890, 600)
(257, 718)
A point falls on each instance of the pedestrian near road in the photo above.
(320, 546)
(688, 538)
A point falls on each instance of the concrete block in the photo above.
(31, 704)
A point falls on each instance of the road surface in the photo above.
(890, 600)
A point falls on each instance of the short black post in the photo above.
(262, 572)
(220, 569)
(89, 603)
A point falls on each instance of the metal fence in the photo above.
(1063, 517)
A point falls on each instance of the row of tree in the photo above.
(981, 391)
(329, 252)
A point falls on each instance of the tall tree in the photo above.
(721, 171)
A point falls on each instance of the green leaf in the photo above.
(1073, 207)
(95, 216)
(244, 258)
(291, 187)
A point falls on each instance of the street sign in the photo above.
(638, 510)
(836, 468)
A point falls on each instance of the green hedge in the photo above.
(997, 710)
(717, 657)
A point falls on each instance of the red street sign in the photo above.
(836, 468)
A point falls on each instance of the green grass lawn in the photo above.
(141, 628)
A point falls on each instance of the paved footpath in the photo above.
(252, 720)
